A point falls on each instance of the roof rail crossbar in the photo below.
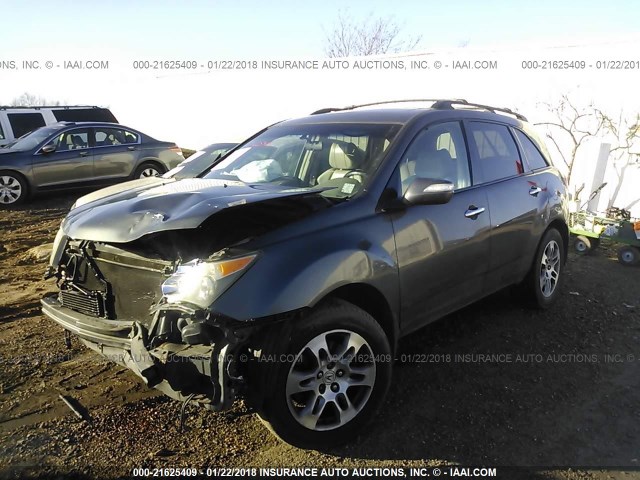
(352, 107)
(448, 105)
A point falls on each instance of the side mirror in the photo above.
(428, 191)
(48, 149)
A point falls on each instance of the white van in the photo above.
(16, 121)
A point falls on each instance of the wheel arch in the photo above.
(372, 301)
(150, 160)
(562, 227)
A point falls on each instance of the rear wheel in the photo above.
(13, 189)
(545, 277)
(327, 378)
(148, 169)
(628, 255)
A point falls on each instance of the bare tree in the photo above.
(627, 134)
(29, 100)
(577, 124)
(371, 36)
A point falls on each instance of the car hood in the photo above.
(124, 216)
(5, 151)
(138, 184)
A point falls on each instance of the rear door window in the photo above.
(534, 157)
(2, 137)
(495, 149)
(108, 137)
(22, 123)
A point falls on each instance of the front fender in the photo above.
(287, 278)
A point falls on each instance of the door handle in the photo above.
(131, 148)
(83, 154)
(473, 211)
(534, 191)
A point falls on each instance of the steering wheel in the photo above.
(352, 173)
(289, 181)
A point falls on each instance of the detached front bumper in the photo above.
(176, 369)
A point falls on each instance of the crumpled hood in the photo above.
(130, 214)
(138, 184)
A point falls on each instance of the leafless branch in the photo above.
(371, 36)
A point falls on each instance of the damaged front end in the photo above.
(139, 273)
(151, 315)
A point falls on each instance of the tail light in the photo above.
(178, 150)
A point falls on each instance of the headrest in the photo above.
(436, 164)
(344, 156)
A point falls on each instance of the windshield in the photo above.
(340, 158)
(199, 161)
(31, 140)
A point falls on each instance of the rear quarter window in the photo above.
(22, 123)
(534, 157)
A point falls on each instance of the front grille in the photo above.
(90, 303)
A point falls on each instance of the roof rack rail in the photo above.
(448, 105)
(37, 107)
(352, 107)
(438, 104)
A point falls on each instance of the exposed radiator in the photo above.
(90, 303)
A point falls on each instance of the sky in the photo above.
(292, 28)
(196, 108)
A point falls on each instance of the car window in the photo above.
(496, 149)
(437, 152)
(197, 163)
(22, 123)
(534, 157)
(33, 139)
(2, 137)
(84, 115)
(106, 137)
(339, 158)
(76, 139)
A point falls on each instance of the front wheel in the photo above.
(327, 378)
(547, 272)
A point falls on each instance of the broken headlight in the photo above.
(201, 282)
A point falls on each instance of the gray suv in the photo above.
(287, 271)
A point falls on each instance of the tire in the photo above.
(299, 380)
(545, 278)
(584, 245)
(629, 256)
(13, 189)
(148, 169)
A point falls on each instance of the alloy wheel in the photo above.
(550, 268)
(149, 172)
(10, 189)
(331, 380)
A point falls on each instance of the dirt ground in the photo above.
(496, 384)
